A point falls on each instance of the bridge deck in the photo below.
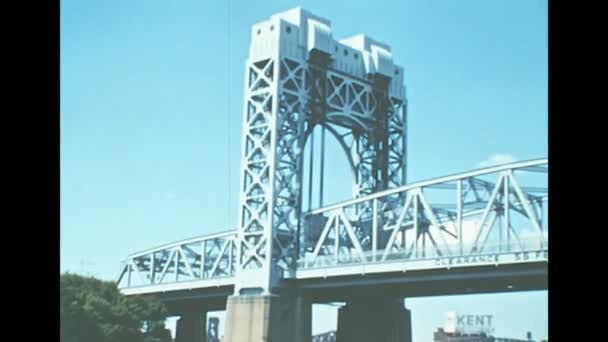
(490, 219)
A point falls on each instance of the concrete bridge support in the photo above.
(268, 318)
(367, 320)
(191, 327)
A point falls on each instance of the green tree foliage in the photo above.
(92, 310)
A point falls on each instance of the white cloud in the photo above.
(498, 159)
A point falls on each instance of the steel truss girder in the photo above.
(378, 228)
(404, 223)
(208, 257)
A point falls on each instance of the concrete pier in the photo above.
(268, 318)
(191, 327)
(367, 320)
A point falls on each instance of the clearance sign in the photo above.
(493, 258)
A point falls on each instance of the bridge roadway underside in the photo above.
(361, 293)
(428, 283)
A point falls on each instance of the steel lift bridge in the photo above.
(479, 231)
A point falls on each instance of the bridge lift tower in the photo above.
(298, 78)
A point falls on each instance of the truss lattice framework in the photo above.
(405, 223)
(280, 114)
(199, 259)
(503, 200)
(271, 182)
(375, 143)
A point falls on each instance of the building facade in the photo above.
(441, 336)
(329, 336)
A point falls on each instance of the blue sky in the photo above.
(151, 107)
